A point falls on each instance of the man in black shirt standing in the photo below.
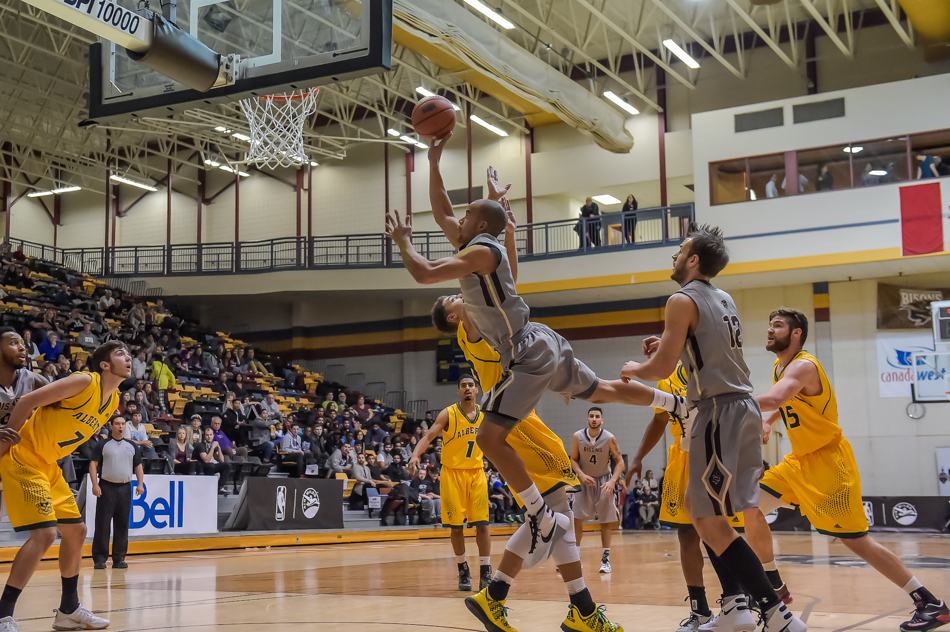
(114, 461)
(591, 212)
(426, 488)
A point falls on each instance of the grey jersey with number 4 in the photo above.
(713, 353)
(594, 453)
(24, 383)
(492, 302)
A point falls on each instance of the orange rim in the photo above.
(293, 97)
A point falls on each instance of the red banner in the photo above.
(921, 224)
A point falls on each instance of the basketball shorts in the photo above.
(673, 512)
(464, 497)
(541, 360)
(825, 485)
(35, 493)
(725, 456)
(592, 502)
(544, 455)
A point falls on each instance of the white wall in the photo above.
(29, 221)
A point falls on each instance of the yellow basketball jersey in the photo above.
(459, 450)
(52, 433)
(812, 422)
(485, 361)
(675, 384)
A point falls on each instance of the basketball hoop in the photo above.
(276, 122)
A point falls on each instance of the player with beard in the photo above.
(48, 424)
(15, 379)
(820, 475)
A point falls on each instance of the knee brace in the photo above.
(520, 541)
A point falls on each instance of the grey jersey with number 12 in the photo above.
(595, 454)
(492, 302)
(24, 383)
(713, 353)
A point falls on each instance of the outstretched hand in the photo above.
(398, 231)
(495, 191)
(436, 146)
(512, 224)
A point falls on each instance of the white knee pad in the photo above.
(565, 550)
(769, 503)
(520, 541)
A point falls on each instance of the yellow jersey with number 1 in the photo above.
(459, 450)
(811, 422)
(675, 384)
(52, 433)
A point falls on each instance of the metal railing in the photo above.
(564, 238)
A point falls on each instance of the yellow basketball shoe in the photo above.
(493, 614)
(596, 622)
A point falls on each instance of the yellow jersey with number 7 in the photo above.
(52, 433)
(459, 450)
(811, 422)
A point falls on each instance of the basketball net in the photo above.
(276, 123)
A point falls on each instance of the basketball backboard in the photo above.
(283, 44)
(931, 377)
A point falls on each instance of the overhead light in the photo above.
(877, 172)
(853, 149)
(222, 129)
(605, 199)
(212, 163)
(410, 139)
(752, 194)
(490, 13)
(489, 126)
(314, 164)
(429, 93)
(621, 103)
(682, 54)
(241, 136)
(393, 132)
(133, 183)
(243, 174)
(53, 192)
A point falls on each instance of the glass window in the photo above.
(727, 181)
(931, 154)
(765, 175)
(880, 161)
(825, 169)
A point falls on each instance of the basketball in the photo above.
(433, 117)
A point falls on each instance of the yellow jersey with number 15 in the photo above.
(52, 433)
(811, 422)
(459, 450)
(675, 384)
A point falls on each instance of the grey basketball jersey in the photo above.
(492, 301)
(594, 453)
(24, 382)
(713, 353)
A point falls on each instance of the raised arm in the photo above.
(439, 426)
(439, 197)
(651, 437)
(476, 260)
(511, 246)
(681, 316)
(798, 375)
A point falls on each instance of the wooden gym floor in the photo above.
(403, 586)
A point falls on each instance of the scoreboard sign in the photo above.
(104, 18)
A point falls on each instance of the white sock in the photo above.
(532, 499)
(662, 399)
(484, 560)
(460, 559)
(769, 566)
(912, 585)
(501, 577)
(575, 586)
(607, 551)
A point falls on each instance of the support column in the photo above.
(811, 58)
(237, 219)
(388, 248)
(202, 187)
(168, 218)
(529, 190)
(57, 215)
(105, 245)
(468, 146)
(309, 215)
(410, 167)
(661, 129)
(298, 188)
(8, 190)
(791, 173)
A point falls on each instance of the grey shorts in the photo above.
(541, 360)
(592, 501)
(725, 456)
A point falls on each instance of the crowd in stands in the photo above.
(202, 403)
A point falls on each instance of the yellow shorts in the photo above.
(825, 485)
(36, 494)
(673, 506)
(544, 455)
(464, 496)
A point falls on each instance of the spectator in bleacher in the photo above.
(435, 458)
(237, 386)
(260, 438)
(139, 366)
(106, 302)
(153, 405)
(328, 400)
(375, 438)
(428, 491)
(227, 446)
(292, 446)
(364, 480)
(164, 376)
(210, 364)
(270, 405)
(397, 471)
(233, 419)
(52, 347)
(402, 451)
(86, 339)
(63, 366)
(220, 385)
(195, 431)
(124, 400)
(341, 461)
(362, 409)
(32, 351)
(385, 456)
(139, 400)
(501, 501)
(210, 459)
(254, 365)
(50, 371)
(318, 447)
(137, 434)
(428, 421)
(136, 316)
(180, 452)
(239, 360)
